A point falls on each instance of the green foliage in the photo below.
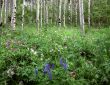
(87, 57)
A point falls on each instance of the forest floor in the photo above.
(87, 57)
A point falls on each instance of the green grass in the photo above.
(87, 56)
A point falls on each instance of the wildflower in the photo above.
(63, 63)
(47, 69)
(10, 72)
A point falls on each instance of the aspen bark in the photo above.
(41, 6)
(23, 8)
(59, 18)
(44, 10)
(13, 15)
(37, 14)
(76, 12)
(0, 12)
(81, 14)
(64, 15)
(5, 17)
(70, 11)
(47, 12)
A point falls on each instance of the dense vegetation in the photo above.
(87, 57)
(54, 42)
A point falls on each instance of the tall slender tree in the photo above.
(81, 14)
(60, 13)
(70, 11)
(47, 13)
(51, 2)
(23, 8)
(64, 14)
(44, 11)
(6, 11)
(1, 14)
(37, 13)
(41, 8)
(13, 19)
(0, 11)
(76, 12)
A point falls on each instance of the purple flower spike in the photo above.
(47, 70)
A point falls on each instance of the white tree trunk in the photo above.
(81, 14)
(41, 6)
(59, 18)
(44, 10)
(23, 8)
(0, 12)
(76, 12)
(64, 15)
(89, 13)
(13, 15)
(5, 17)
(37, 14)
(70, 11)
(47, 12)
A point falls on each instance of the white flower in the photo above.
(51, 50)
(10, 72)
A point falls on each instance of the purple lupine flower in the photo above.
(63, 63)
(47, 69)
(36, 71)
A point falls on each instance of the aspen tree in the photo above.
(23, 8)
(59, 18)
(64, 15)
(70, 11)
(81, 14)
(76, 12)
(13, 19)
(6, 11)
(44, 10)
(37, 13)
(41, 6)
(2, 7)
(0, 12)
(47, 12)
